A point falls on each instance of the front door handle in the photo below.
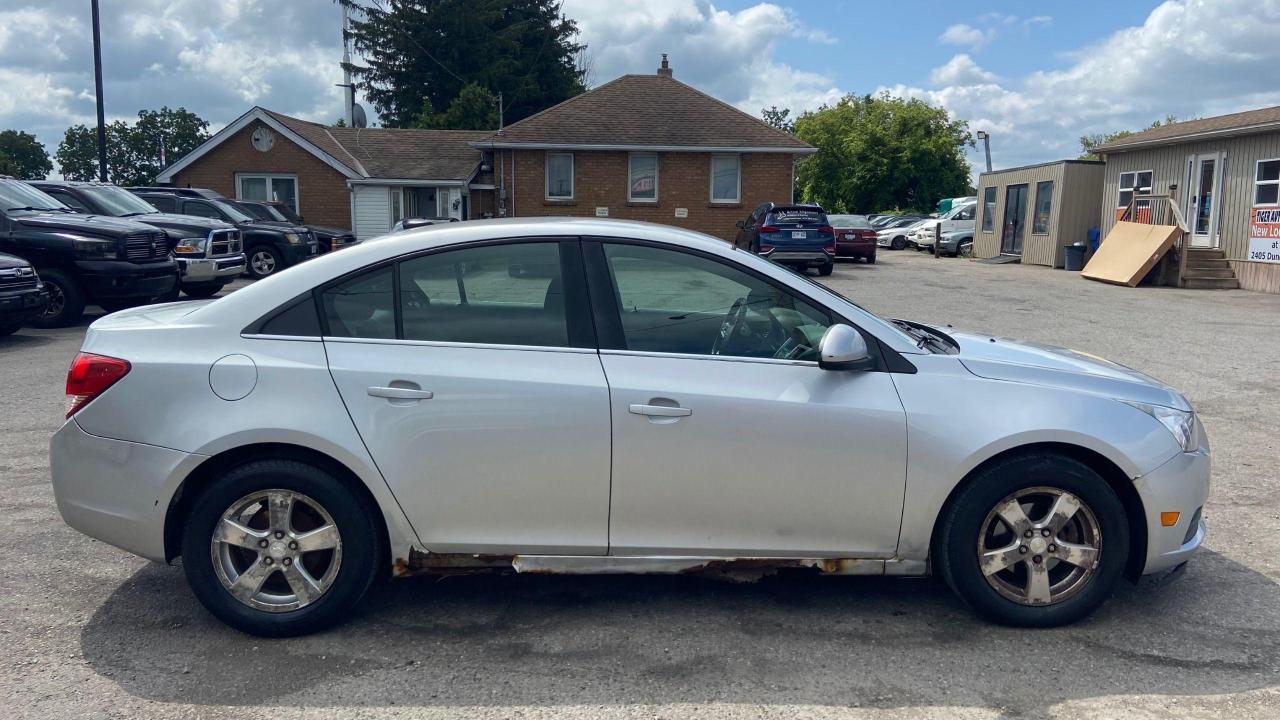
(659, 411)
(400, 393)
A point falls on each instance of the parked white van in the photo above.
(959, 217)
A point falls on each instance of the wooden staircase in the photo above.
(1209, 270)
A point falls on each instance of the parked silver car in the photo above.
(649, 400)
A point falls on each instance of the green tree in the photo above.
(881, 152)
(1091, 141)
(422, 53)
(778, 119)
(22, 156)
(474, 109)
(133, 150)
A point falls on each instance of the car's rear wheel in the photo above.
(66, 300)
(871, 259)
(280, 548)
(1034, 541)
(898, 243)
(825, 270)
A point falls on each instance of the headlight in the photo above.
(96, 249)
(292, 238)
(1180, 423)
(191, 246)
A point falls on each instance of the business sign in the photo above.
(602, 212)
(682, 212)
(1264, 235)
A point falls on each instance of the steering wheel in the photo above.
(732, 320)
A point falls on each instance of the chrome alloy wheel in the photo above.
(263, 262)
(276, 550)
(57, 301)
(1043, 561)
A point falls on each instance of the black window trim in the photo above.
(608, 318)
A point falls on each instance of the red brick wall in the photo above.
(323, 197)
(684, 181)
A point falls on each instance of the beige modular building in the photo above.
(1035, 211)
(1224, 174)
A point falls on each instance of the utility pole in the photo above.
(985, 137)
(500, 111)
(97, 79)
(348, 90)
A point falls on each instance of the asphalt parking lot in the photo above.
(89, 631)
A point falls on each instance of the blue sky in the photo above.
(1036, 75)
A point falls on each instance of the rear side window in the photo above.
(362, 307)
(796, 217)
(161, 202)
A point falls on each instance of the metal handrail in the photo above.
(1171, 211)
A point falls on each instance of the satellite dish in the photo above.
(358, 118)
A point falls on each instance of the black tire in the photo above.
(9, 329)
(264, 260)
(357, 521)
(871, 259)
(898, 243)
(66, 302)
(202, 291)
(955, 550)
(825, 270)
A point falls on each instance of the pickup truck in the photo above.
(83, 259)
(795, 235)
(22, 296)
(269, 246)
(208, 251)
(329, 238)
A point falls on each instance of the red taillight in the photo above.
(768, 229)
(826, 229)
(90, 375)
(766, 248)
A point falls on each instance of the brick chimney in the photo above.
(664, 70)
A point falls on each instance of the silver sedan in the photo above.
(595, 396)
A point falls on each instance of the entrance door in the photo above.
(1015, 220)
(1205, 199)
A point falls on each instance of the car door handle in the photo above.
(659, 410)
(400, 393)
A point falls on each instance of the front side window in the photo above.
(269, 188)
(201, 209)
(1266, 189)
(988, 209)
(675, 302)
(1130, 182)
(642, 184)
(559, 176)
(1044, 205)
(725, 178)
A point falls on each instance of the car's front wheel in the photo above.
(263, 261)
(66, 300)
(898, 243)
(280, 548)
(1037, 540)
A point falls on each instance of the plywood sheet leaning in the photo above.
(1129, 252)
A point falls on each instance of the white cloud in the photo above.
(967, 36)
(961, 70)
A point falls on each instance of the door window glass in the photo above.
(1044, 206)
(163, 203)
(362, 306)
(69, 200)
(498, 294)
(1204, 197)
(674, 302)
(201, 209)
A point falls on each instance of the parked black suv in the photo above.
(82, 259)
(329, 238)
(269, 246)
(22, 296)
(208, 251)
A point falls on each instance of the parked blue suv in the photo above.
(795, 235)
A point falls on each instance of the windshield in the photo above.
(956, 211)
(849, 221)
(118, 201)
(286, 213)
(19, 198)
(233, 210)
(261, 212)
(795, 216)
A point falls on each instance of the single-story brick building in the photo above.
(642, 147)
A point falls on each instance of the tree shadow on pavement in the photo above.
(559, 640)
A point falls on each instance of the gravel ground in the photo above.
(88, 631)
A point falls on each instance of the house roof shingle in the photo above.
(1239, 123)
(645, 111)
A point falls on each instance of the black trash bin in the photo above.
(1074, 260)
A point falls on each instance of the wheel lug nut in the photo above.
(288, 562)
(263, 543)
(1028, 533)
(267, 561)
(1036, 559)
(279, 534)
(293, 545)
(1023, 549)
(1053, 548)
(1045, 532)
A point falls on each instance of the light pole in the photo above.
(985, 137)
(97, 80)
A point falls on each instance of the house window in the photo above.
(1044, 205)
(726, 178)
(268, 187)
(988, 209)
(1139, 181)
(642, 180)
(559, 176)
(1266, 187)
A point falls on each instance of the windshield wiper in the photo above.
(135, 214)
(31, 208)
(925, 336)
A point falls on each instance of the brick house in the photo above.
(642, 147)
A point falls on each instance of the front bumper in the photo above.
(205, 270)
(20, 306)
(114, 279)
(1180, 485)
(116, 491)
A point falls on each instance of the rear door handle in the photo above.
(659, 411)
(400, 393)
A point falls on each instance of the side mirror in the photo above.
(843, 348)
(740, 225)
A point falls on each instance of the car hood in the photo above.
(328, 231)
(998, 358)
(169, 221)
(11, 261)
(273, 225)
(99, 225)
